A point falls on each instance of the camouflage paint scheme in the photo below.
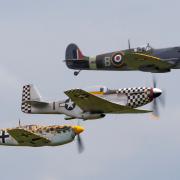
(144, 59)
(36, 136)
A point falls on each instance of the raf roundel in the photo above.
(117, 59)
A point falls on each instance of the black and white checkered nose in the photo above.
(156, 92)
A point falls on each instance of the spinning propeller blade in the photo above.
(157, 98)
(80, 144)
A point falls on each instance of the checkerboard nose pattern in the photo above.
(25, 107)
(137, 96)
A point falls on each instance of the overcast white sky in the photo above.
(33, 38)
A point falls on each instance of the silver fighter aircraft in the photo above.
(92, 104)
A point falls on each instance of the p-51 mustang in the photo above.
(36, 136)
(145, 59)
(95, 104)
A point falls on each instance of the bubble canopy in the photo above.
(98, 88)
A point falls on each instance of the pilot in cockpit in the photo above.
(143, 49)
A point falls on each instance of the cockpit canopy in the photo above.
(30, 127)
(101, 89)
(143, 49)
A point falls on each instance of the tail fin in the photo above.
(29, 93)
(74, 53)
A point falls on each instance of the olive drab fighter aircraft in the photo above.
(144, 58)
(37, 136)
(93, 104)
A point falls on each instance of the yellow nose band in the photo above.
(78, 129)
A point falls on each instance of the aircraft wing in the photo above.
(140, 61)
(24, 137)
(91, 103)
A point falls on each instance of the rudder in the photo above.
(73, 53)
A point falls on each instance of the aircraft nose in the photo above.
(156, 92)
(78, 129)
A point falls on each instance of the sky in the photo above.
(33, 38)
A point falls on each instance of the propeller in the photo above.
(79, 129)
(158, 98)
(80, 144)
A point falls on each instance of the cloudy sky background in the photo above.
(33, 39)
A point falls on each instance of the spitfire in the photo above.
(92, 104)
(145, 59)
(37, 136)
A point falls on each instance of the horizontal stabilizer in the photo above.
(37, 103)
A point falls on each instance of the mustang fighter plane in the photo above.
(145, 59)
(94, 104)
(36, 136)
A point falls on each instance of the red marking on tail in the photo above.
(79, 54)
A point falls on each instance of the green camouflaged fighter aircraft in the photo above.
(145, 59)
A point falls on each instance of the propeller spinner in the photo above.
(157, 97)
